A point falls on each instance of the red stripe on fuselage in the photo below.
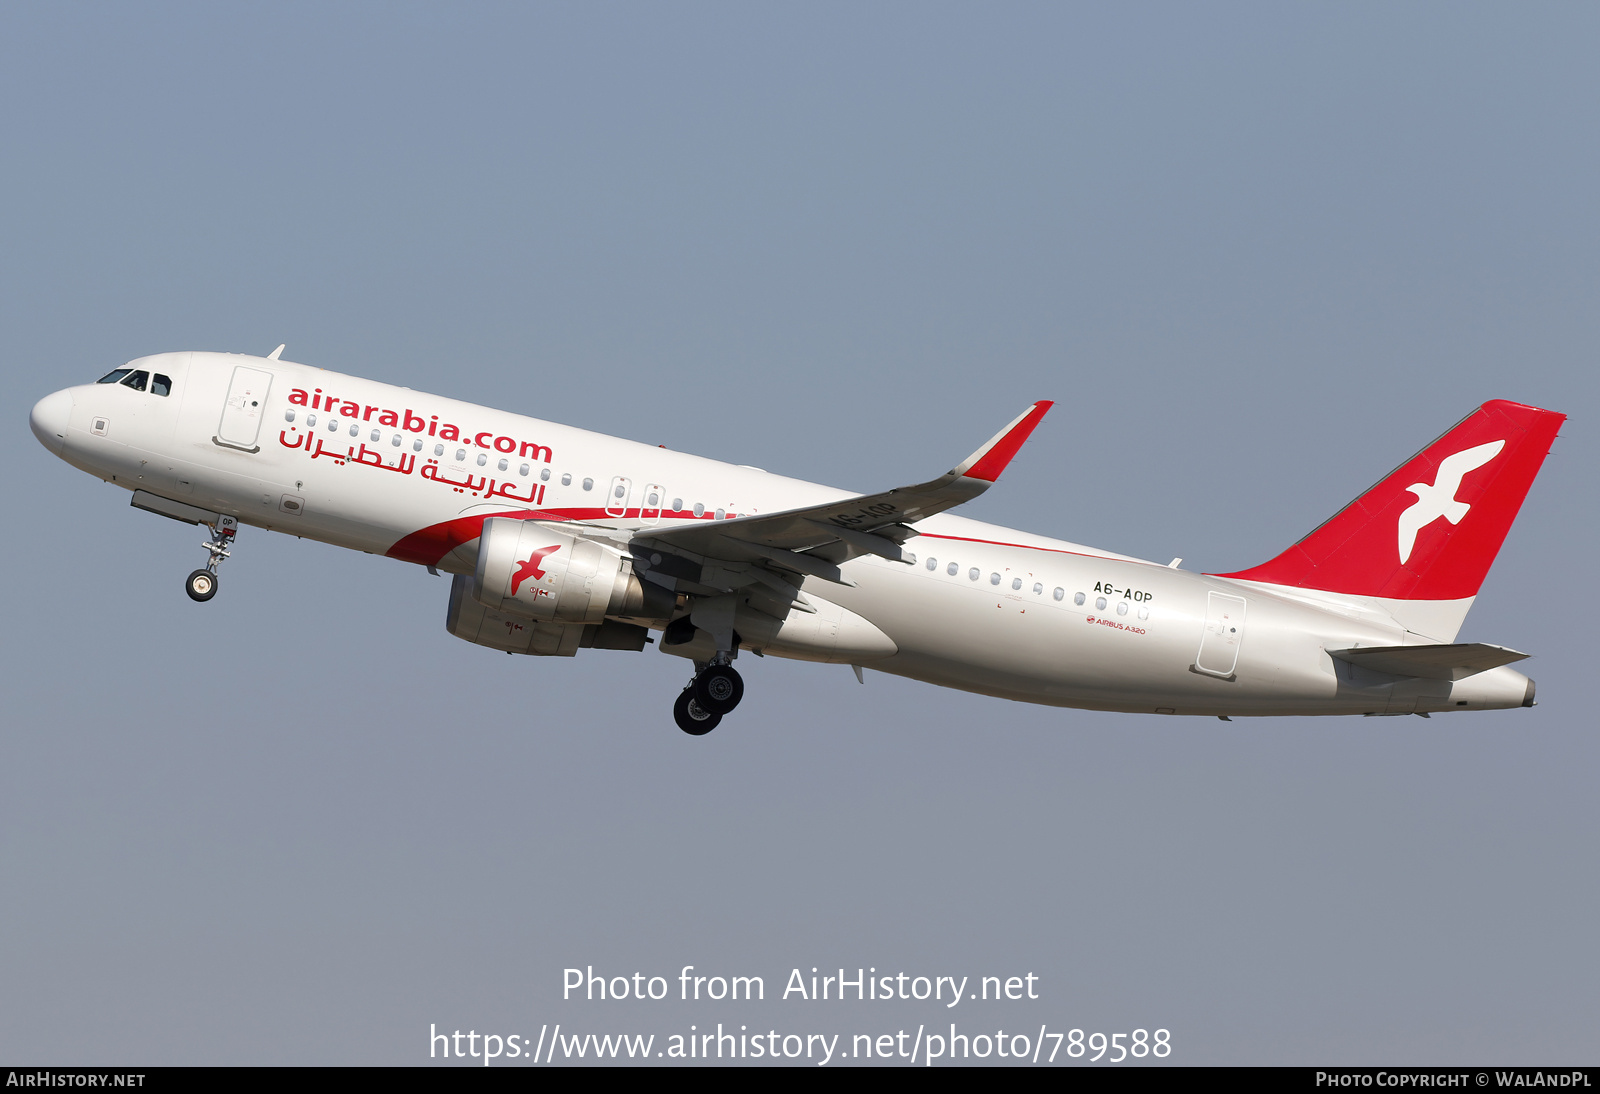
(427, 546)
(1030, 547)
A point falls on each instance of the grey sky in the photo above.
(1259, 253)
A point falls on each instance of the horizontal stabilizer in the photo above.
(1452, 662)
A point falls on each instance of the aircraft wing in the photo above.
(814, 540)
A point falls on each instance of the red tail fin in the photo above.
(1431, 529)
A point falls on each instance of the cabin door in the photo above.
(242, 413)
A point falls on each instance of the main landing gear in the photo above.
(202, 584)
(715, 690)
(691, 717)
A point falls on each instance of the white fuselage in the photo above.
(986, 609)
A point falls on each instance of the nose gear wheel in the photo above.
(201, 585)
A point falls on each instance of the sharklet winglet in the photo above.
(987, 462)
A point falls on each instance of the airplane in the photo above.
(559, 539)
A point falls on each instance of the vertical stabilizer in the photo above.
(1431, 529)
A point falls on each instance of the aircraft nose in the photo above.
(49, 420)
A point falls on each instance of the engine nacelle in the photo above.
(470, 620)
(532, 570)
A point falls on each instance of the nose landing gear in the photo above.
(202, 584)
(715, 690)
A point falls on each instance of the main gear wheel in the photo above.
(691, 717)
(718, 689)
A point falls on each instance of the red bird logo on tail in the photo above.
(533, 567)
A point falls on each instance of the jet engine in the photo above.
(531, 570)
(516, 633)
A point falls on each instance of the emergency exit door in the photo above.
(1223, 634)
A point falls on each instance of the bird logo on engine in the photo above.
(533, 567)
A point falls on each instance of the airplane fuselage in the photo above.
(388, 470)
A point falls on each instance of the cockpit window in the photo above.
(127, 377)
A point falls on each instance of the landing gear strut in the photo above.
(202, 584)
(715, 690)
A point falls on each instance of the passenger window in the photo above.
(288, 415)
(113, 376)
(677, 505)
(933, 563)
(653, 500)
(588, 484)
(355, 428)
(699, 509)
(566, 479)
(1122, 607)
(1038, 588)
(1016, 583)
(461, 455)
(395, 440)
(503, 465)
(721, 514)
(333, 425)
(953, 569)
(376, 436)
(161, 385)
(311, 420)
(416, 445)
(1100, 603)
(524, 471)
(483, 458)
(1059, 593)
(1144, 613)
(994, 579)
(1077, 598)
(972, 574)
(137, 380)
(544, 474)
(438, 450)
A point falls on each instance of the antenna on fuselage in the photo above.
(273, 356)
